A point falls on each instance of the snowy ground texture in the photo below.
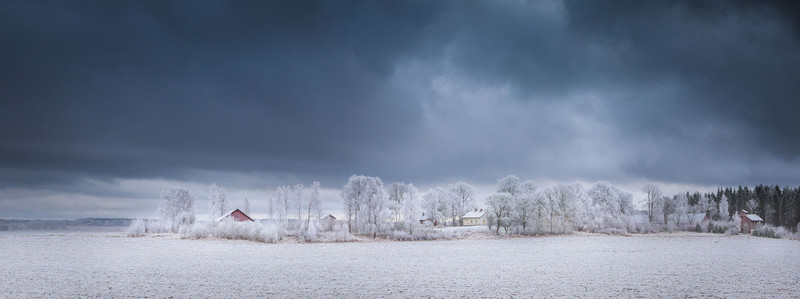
(671, 265)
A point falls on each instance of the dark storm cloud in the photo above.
(731, 67)
(125, 89)
(407, 90)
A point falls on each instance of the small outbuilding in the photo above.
(235, 215)
(749, 221)
(328, 222)
(476, 217)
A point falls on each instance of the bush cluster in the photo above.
(765, 231)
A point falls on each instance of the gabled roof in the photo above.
(225, 215)
(475, 214)
(329, 216)
(754, 217)
(231, 212)
(423, 217)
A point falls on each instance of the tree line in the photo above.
(777, 206)
(516, 207)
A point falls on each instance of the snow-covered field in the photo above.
(673, 265)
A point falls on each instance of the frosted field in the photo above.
(671, 265)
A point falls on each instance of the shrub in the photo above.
(138, 228)
(247, 231)
(765, 231)
(698, 229)
(195, 231)
(719, 228)
(309, 233)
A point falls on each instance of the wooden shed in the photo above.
(235, 215)
(749, 221)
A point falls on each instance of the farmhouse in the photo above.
(749, 221)
(235, 215)
(476, 217)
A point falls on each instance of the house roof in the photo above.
(423, 217)
(231, 212)
(475, 214)
(329, 216)
(225, 215)
(754, 217)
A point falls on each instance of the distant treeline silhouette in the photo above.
(37, 224)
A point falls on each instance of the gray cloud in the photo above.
(696, 92)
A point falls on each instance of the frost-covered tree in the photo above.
(367, 205)
(177, 208)
(313, 204)
(723, 211)
(282, 204)
(525, 205)
(567, 196)
(299, 200)
(550, 200)
(436, 204)
(246, 206)
(681, 207)
(651, 200)
(667, 206)
(586, 214)
(217, 202)
(464, 199)
(397, 193)
(612, 204)
(509, 184)
(500, 205)
(751, 205)
(375, 209)
(736, 225)
(704, 205)
(412, 208)
(353, 194)
(271, 206)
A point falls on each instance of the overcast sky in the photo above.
(106, 103)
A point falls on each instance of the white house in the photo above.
(476, 217)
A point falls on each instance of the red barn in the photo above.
(235, 215)
(749, 221)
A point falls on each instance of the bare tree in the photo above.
(367, 204)
(667, 207)
(299, 200)
(651, 201)
(397, 192)
(313, 203)
(464, 195)
(525, 205)
(177, 208)
(217, 202)
(500, 207)
(751, 205)
(411, 208)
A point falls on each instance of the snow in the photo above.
(475, 214)
(220, 218)
(754, 217)
(103, 264)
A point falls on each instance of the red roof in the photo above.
(236, 215)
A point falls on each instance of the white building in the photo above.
(476, 217)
